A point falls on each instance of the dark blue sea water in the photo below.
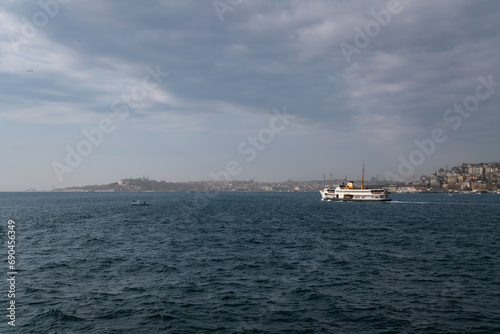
(252, 263)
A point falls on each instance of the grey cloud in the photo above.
(267, 54)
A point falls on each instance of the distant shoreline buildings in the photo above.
(465, 177)
(144, 184)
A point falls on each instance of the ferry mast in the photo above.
(363, 178)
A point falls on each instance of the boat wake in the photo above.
(440, 203)
(411, 202)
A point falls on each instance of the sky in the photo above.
(92, 92)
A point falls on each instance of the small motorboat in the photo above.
(140, 203)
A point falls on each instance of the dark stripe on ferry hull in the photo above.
(358, 200)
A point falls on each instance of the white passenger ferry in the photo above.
(347, 192)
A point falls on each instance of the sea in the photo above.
(249, 263)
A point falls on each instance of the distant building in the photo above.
(435, 184)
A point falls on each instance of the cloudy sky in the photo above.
(96, 91)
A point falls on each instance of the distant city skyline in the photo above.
(93, 92)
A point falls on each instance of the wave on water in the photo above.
(253, 263)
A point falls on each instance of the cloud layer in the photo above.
(64, 64)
